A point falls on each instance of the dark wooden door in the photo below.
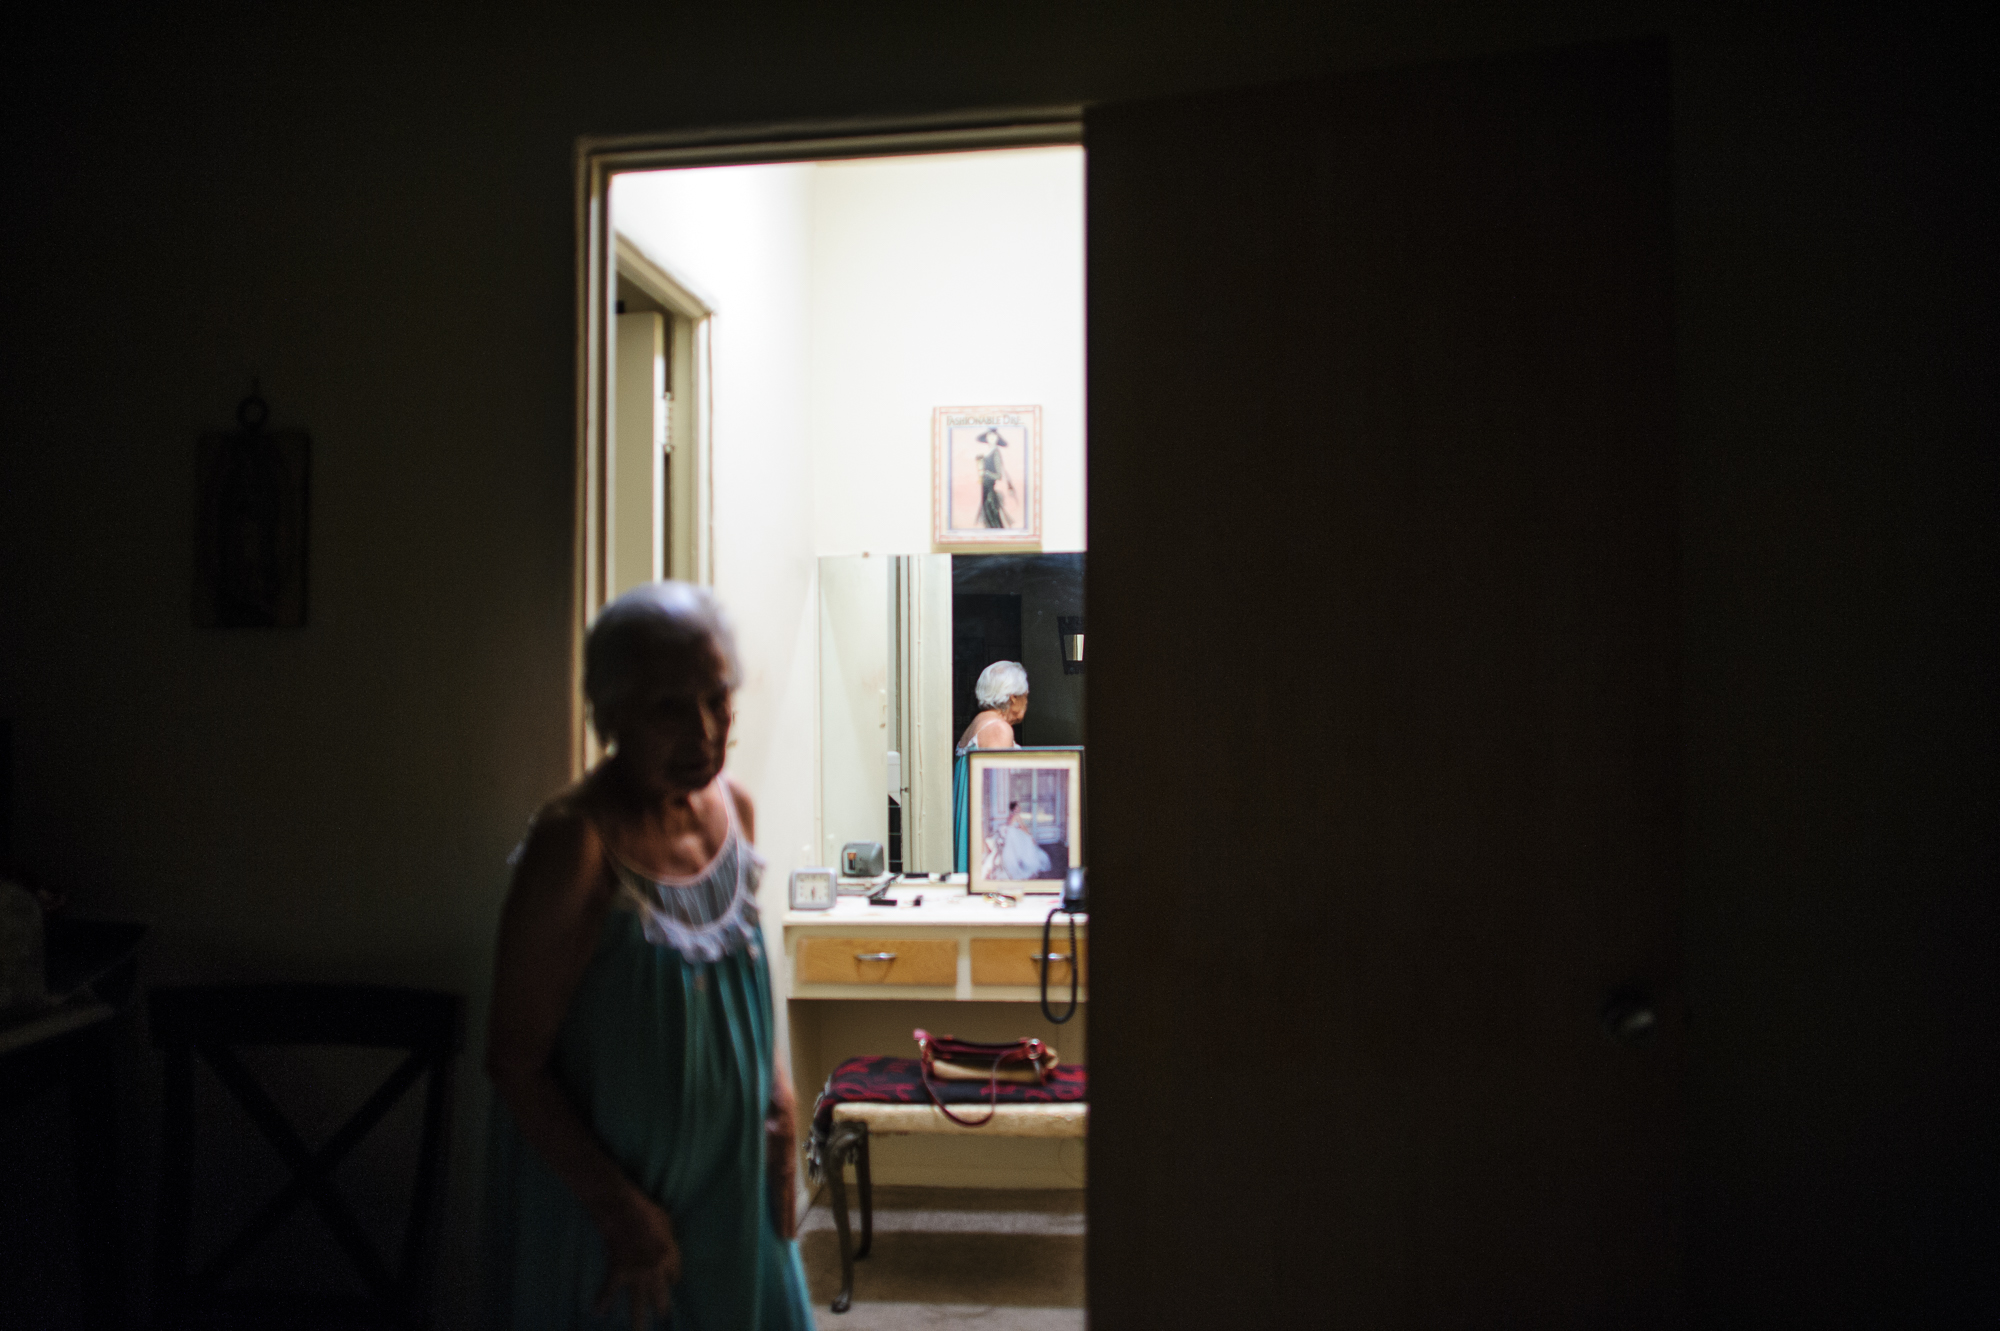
(1385, 786)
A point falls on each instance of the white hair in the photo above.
(999, 682)
(626, 638)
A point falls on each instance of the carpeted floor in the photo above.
(996, 1260)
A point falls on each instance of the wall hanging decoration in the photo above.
(1069, 633)
(986, 476)
(250, 523)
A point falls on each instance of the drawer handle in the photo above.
(1049, 956)
(874, 956)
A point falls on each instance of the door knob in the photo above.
(1629, 1017)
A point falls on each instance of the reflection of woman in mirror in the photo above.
(1002, 695)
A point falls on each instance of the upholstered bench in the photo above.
(855, 1122)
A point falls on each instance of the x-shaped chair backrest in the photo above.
(209, 1021)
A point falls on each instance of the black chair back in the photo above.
(211, 1022)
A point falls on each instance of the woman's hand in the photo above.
(783, 1169)
(781, 1141)
(640, 1257)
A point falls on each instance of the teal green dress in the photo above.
(667, 1053)
(961, 810)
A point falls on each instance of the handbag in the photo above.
(946, 1058)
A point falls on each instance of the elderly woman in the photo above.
(643, 1149)
(1002, 694)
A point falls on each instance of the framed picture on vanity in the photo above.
(986, 477)
(1024, 818)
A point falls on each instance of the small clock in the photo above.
(814, 889)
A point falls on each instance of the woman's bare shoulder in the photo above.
(993, 732)
(564, 851)
(975, 730)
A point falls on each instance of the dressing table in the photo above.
(902, 640)
(953, 946)
(859, 978)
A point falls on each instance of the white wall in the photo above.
(942, 281)
(740, 237)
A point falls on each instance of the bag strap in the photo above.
(992, 1087)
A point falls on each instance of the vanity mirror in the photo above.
(903, 642)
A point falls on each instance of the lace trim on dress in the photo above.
(704, 918)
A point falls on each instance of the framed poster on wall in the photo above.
(986, 477)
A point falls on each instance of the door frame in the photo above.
(687, 553)
(599, 257)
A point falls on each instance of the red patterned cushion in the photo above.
(881, 1079)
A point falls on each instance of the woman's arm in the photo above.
(548, 932)
(781, 1134)
(780, 1119)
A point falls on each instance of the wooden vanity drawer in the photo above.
(878, 961)
(1012, 960)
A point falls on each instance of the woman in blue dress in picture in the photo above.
(643, 1154)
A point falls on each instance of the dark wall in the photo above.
(1043, 589)
(373, 210)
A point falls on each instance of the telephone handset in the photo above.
(1073, 897)
(1075, 901)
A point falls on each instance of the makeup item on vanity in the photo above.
(1025, 1061)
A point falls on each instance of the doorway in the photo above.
(785, 325)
